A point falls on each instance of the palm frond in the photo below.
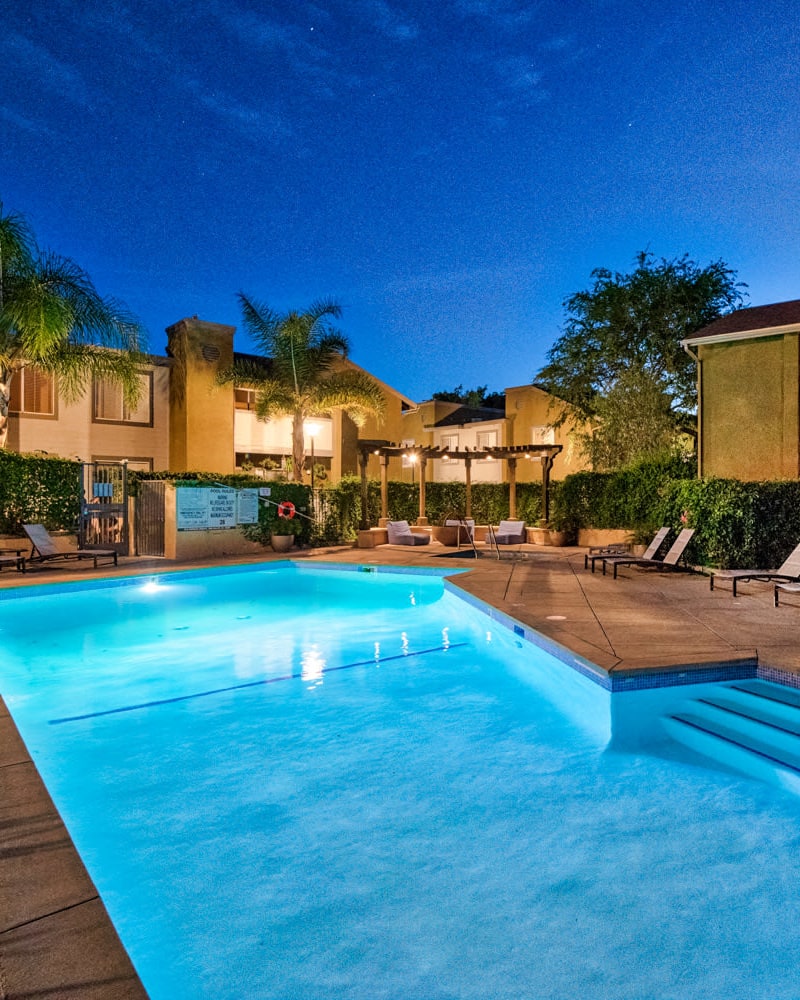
(245, 372)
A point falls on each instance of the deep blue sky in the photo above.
(449, 170)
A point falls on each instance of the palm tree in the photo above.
(300, 373)
(53, 319)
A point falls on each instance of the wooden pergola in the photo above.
(544, 453)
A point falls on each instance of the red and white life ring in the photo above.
(286, 508)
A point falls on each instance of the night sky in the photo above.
(449, 170)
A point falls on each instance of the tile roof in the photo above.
(469, 415)
(755, 318)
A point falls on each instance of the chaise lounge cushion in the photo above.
(400, 533)
(510, 533)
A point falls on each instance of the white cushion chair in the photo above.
(400, 533)
(510, 533)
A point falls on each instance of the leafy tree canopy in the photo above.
(619, 361)
(472, 397)
(53, 318)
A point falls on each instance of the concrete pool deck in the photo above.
(56, 939)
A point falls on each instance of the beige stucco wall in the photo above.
(72, 432)
(529, 407)
(201, 412)
(749, 408)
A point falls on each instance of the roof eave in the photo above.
(720, 338)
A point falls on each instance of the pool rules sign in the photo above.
(200, 508)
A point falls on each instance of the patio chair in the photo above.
(788, 571)
(604, 552)
(400, 533)
(670, 560)
(44, 549)
(510, 533)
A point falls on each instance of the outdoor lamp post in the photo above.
(312, 428)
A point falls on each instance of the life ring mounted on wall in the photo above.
(286, 508)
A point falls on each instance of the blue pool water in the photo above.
(289, 783)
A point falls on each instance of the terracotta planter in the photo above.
(281, 543)
(558, 537)
(540, 536)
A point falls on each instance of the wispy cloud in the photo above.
(388, 21)
(50, 72)
(251, 121)
(25, 123)
(518, 74)
(502, 13)
(303, 48)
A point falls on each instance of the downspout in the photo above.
(699, 364)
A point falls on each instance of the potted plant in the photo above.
(282, 535)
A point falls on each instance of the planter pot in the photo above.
(540, 536)
(282, 543)
(558, 537)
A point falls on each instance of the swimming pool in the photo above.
(289, 782)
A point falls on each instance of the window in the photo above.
(244, 399)
(110, 406)
(543, 435)
(33, 391)
(486, 439)
(448, 442)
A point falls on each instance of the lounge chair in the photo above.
(649, 552)
(788, 571)
(400, 533)
(510, 533)
(12, 557)
(44, 549)
(670, 560)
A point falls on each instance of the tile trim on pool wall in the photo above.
(777, 676)
(579, 663)
(737, 670)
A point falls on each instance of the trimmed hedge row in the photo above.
(38, 490)
(736, 524)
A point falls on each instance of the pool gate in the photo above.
(103, 522)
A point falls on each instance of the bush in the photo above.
(38, 490)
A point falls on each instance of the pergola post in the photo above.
(423, 463)
(547, 465)
(363, 458)
(468, 485)
(384, 489)
(512, 487)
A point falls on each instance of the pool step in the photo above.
(752, 726)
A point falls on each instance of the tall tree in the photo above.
(619, 360)
(473, 397)
(300, 373)
(53, 319)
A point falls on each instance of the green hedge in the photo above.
(736, 524)
(38, 490)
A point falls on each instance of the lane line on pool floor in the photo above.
(294, 676)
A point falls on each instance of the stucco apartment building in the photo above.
(186, 422)
(748, 366)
